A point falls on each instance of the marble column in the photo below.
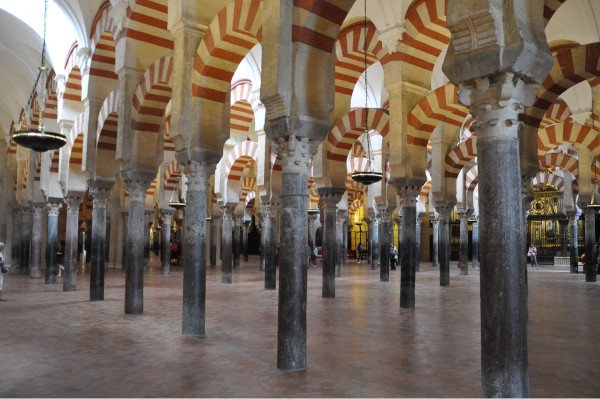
(464, 243)
(194, 272)
(269, 244)
(246, 227)
(148, 218)
(125, 259)
(418, 241)
(496, 103)
(444, 211)
(563, 236)
(475, 239)
(436, 242)
(227, 243)
(340, 260)
(384, 244)
(237, 227)
(374, 249)
(35, 270)
(52, 208)
(136, 235)
(166, 215)
(311, 228)
(293, 262)
(26, 217)
(573, 250)
(370, 226)
(100, 192)
(16, 236)
(399, 224)
(590, 244)
(408, 190)
(215, 232)
(330, 196)
(73, 202)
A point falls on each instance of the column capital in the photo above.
(296, 153)
(444, 209)
(100, 192)
(227, 211)
(53, 208)
(407, 188)
(73, 201)
(331, 196)
(38, 208)
(137, 188)
(198, 174)
(237, 220)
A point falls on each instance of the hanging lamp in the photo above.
(369, 176)
(39, 139)
(177, 201)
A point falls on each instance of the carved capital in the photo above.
(100, 192)
(198, 174)
(137, 189)
(53, 208)
(166, 216)
(37, 209)
(331, 196)
(227, 211)
(73, 202)
(296, 153)
(26, 215)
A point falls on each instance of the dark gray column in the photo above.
(100, 192)
(51, 240)
(35, 268)
(408, 189)
(435, 262)
(496, 104)
(148, 218)
(384, 243)
(418, 241)
(590, 244)
(73, 201)
(215, 234)
(25, 239)
(464, 243)
(444, 243)
(370, 226)
(340, 260)
(227, 243)
(374, 249)
(246, 227)
(237, 247)
(573, 250)
(134, 276)
(311, 228)
(16, 236)
(293, 262)
(269, 244)
(330, 196)
(166, 215)
(475, 237)
(194, 271)
(125, 259)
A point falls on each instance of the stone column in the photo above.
(475, 237)
(590, 244)
(340, 261)
(436, 241)
(26, 217)
(496, 104)
(384, 244)
(464, 243)
(125, 259)
(215, 232)
(399, 223)
(237, 226)
(444, 211)
(246, 227)
(35, 270)
(194, 272)
(134, 277)
(148, 218)
(72, 233)
(166, 216)
(408, 189)
(573, 250)
(563, 236)
(227, 243)
(293, 262)
(311, 228)
(418, 241)
(375, 242)
(269, 244)
(330, 196)
(16, 236)
(369, 220)
(100, 192)
(51, 240)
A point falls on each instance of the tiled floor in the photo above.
(360, 344)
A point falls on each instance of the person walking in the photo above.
(360, 252)
(393, 257)
(532, 252)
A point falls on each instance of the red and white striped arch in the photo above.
(75, 141)
(349, 128)
(230, 36)
(106, 134)
(571, 66)
(558, 112)
(251, 195)
(72, 89)
(568, 133)
(152, 189)
(562, 161)
(460, 156)
(350, 50)
(317, 22)
(152, 96)
(239, 158)
(243, 105)
(550, 7)
(171, 176)
(103, 45)
(426, 188)
(472, 178)
(354, 205)
(248, 184)
(549, 178)
(147, 24)
(441, 105)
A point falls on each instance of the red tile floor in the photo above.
(360, 344)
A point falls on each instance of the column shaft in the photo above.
(384, 245)
(227, 244)
(100, 194)
(51, 242)
(330, 196)
(269, 245)
(237, 224)
(409, 259)
(590, 245)
(214, 232)
(35, 270)
(70, 249)
(436, 242)
(573, 250)
(475, 237)
(464, 244)
(245, 227)
(418, 242)
(16, 236)
(374, 249)
(444, 244)
(339, 238)
(165, 250)
(25, 239)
